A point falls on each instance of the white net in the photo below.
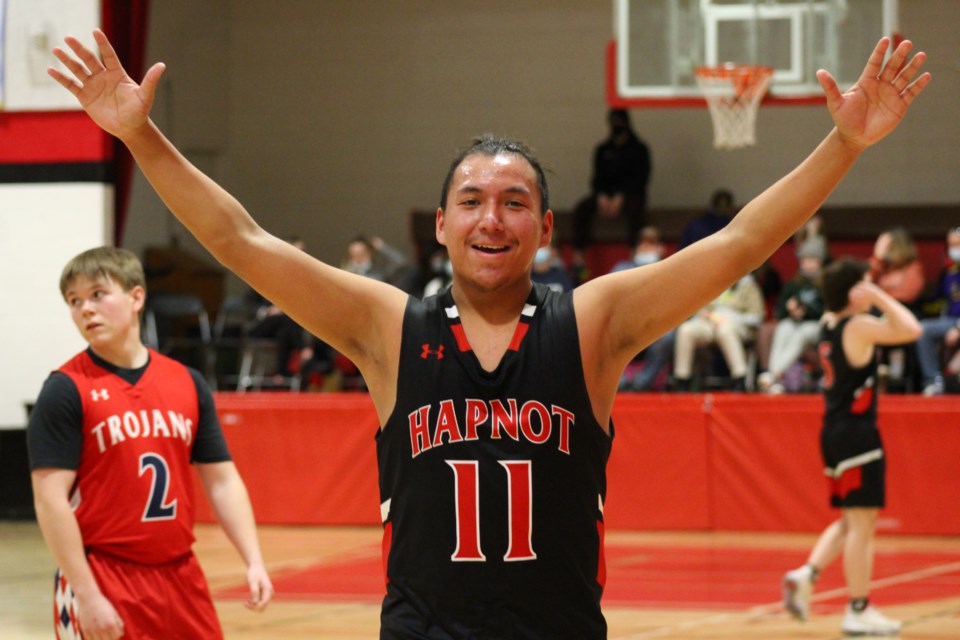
(733, 94)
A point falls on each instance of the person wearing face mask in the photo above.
(618, 187)
(648, 249)
(441, 270)
(548, 270)
(945, 328)
(659, 354)
(373, 258)
(798, 313)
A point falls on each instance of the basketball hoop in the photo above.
(733, 93)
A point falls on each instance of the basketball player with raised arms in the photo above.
(111, 441)
(495, 396)
(850, 444)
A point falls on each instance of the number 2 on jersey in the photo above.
(519, 510)
(157, 507)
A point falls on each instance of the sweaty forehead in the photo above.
(481, 166)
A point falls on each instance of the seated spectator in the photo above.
(440, 272)
(721, 210)
(896, 268)
(944, 330)
(435, 273)
(798, 319)
(648, 249)
(374, 258)
(811, 241)
(271, 322)
(548, 270)
(316, 366)
(646, 368)
(728, 322)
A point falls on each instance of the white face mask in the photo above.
(641, 258)
(954, 253)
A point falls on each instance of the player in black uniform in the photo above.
(495, 398)
(850, 442)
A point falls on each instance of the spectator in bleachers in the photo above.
(316, 365)
(942, 331)
(896, 268)
(798, 319)
(710, 221)
(441, 270)
(729, 321)
(811, 241)
(548, 270)
(374, 258)
(618, 186)
(645, 369)
(271, 322)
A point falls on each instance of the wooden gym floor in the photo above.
(660, 585)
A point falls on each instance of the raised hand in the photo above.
(109, 96)
(874, 106)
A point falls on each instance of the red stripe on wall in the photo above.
(52, 136)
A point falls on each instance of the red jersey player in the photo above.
(111, 440)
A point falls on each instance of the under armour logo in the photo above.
(427, 352)
(99, 395)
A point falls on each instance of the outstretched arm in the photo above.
(621, 313)
(323, 299)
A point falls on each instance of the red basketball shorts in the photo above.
(168, 600)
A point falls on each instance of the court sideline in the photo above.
(660, 585)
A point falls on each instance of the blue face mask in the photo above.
(542, 256)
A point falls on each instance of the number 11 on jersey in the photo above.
(519, 510)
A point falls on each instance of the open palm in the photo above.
(874, 106)
(109, 96)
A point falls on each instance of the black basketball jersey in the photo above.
(492, 484)
(849, 392)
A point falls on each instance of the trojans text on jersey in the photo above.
(144, 424)
(533, 421)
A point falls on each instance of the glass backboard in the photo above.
(658, 44)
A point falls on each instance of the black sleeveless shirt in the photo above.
(492, 483)
(850, 392)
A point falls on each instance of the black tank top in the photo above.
(492, 483)
(849, 392)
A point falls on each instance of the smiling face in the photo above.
(492, 224)
(107, 317)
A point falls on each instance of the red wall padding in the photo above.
(732, 462)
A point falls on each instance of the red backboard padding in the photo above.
(732, 462)
(28, 137)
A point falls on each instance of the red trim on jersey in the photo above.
(462, 343)
(519, 335)
(602, 557)
(385, 544)
(863, 401)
